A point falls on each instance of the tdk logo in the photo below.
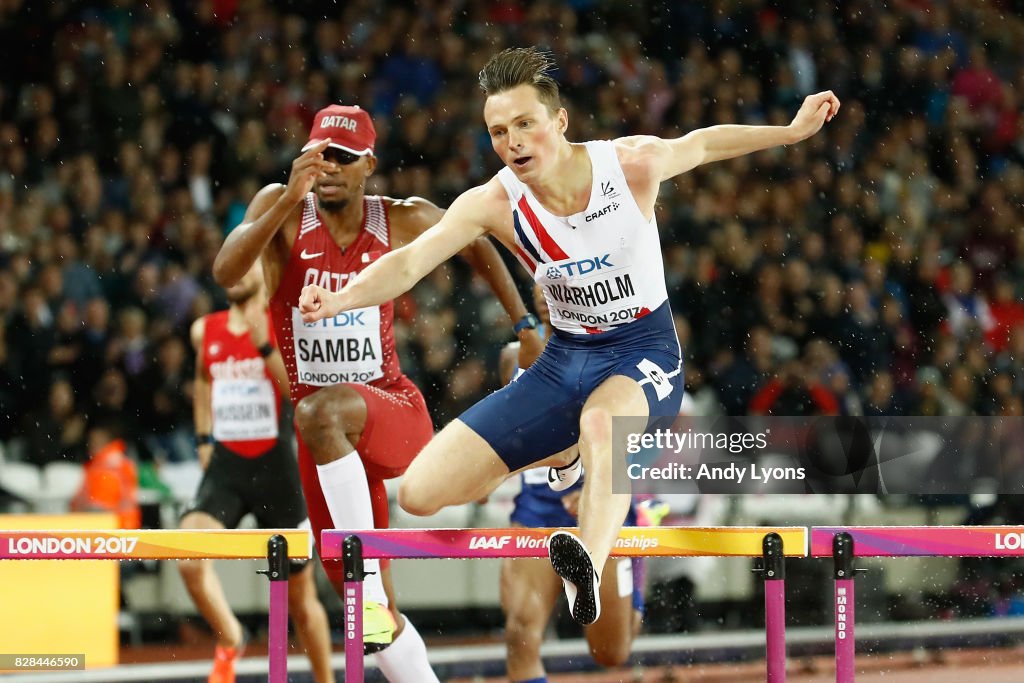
(587, 265)
(553, 273)
(597, 214)
(343, 319)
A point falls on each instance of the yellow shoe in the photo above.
(651, 512)
(378, 627)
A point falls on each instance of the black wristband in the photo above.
(266, 349)
(204, 439)
(527, 322)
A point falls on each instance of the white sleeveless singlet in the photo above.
(599, 269)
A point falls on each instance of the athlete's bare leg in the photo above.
(311, 626)
(456, 467)
(611, 637)
(529, 592)
(601, 511)
(331, 421)
(205, 588)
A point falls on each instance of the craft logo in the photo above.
(597, 214)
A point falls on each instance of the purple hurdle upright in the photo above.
(899, 541)
(774, 573)
(277, 641)
(352, 557)
(845, 604)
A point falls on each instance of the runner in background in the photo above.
(245, 449)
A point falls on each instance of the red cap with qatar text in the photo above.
(349, 128)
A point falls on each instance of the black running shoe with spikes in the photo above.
(571, 561)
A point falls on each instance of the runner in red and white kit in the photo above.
(350, 394)
(245, 449)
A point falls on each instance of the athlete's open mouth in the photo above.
(522, 161)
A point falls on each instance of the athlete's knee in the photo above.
(524, 632)
(611, 654)
(416, 499)
(336, 411)
(595, 424)
(314, 412)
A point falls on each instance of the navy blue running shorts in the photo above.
(538, 414)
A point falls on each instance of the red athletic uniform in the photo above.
(356, 348)
(245, 400)
(252, 468)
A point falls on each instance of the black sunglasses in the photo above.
(340, 156)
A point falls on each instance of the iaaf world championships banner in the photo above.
(881, 455)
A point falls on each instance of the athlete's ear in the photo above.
(371, 165)
(563, 120)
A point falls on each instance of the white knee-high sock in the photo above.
(405, 660)
(343, 482)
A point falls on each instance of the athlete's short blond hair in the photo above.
(522, 66)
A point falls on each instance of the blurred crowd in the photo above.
(877, 269)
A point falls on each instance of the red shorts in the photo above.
(398, 426)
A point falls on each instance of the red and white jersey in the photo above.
(356, 346)
(245, 401)
(600, 268)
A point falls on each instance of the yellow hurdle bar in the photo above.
(521, 542)
(150, 544)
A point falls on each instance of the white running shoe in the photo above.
(562, 478)
(571, 561)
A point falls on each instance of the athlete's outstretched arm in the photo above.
(265, 215)
(704, 145)
(397, 271)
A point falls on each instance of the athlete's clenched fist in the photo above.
(317, 303)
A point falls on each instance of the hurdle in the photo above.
(277, 546)
(844, 544)
(772, 544)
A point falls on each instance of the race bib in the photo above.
(345, 348)
(595, 291)
(244, 410)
